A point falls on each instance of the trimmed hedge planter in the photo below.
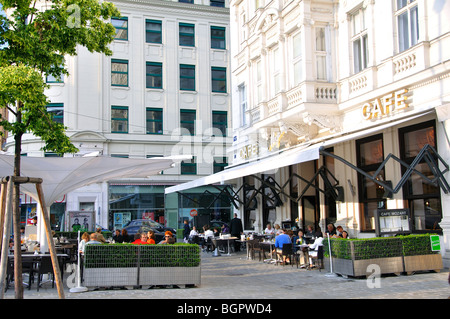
(124, 265)
(394, 255)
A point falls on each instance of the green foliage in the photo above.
(129, 255)
(378, 247)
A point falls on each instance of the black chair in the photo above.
(45, 266)
(209, 244)
(9, 273)
(287, 251)
(318, 258)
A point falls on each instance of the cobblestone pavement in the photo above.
(235, 276)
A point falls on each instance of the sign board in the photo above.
(193, 212)
(81, 221)
(393, 221)
(435, 243)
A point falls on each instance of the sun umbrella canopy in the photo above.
(61, 175)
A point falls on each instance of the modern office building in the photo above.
(164, 91)
(340, 114)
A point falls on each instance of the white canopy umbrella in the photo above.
(61, 175)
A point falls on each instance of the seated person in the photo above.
(280, 240)
(151, 237)
(341, 233)
(142, 240)
(168, 238)
(269, 230)
(314, 248)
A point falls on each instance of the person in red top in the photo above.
(142, 240)
(151, 237)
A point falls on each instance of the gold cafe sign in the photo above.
(385, 105)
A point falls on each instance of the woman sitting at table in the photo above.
(151, 237)
(168, 238)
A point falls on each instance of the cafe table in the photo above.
(228, 243)
(245, 241)
(271, 245)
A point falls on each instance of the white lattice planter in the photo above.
(170, 276)
(110, 277)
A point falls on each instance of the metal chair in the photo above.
(287, 251)
(318, 257)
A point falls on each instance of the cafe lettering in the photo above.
(385, 105)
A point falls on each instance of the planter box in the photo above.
(423, 262)
(124, 265)
(358, 268)
(110, 277)
(170, 276)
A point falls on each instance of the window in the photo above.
(218, 38)
(187, 77)
(186, 1)
(423, 199)
(219, 164)
(321, 54)
(370, 155)
(259, 86)
(297, 56)
(119, 119)
(275, 87)
(359, 41)
(153, 31)
(186, 34)
(187, 122)
(219, 122)
(243, 104)
(154, 121)
(121, 25)
(153, 75)
(407, 24)
(217, 3)
(219, 79)
(189, 167)
(57, 112)
(119, 72)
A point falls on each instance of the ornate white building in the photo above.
(334, 103)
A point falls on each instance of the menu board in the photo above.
(393, 221)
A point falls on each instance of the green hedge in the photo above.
(128, 255)
(379, 247)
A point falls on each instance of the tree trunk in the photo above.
(18, 285)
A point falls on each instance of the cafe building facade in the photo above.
(340, 111)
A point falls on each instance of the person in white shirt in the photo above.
(193, 232)
(269, 230)
(314, 248)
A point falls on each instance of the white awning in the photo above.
(271, 163)
(61, 175)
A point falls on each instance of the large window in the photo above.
(407, 24)
(154, 75)
(370, 155)
(359, 41)
(187, 122)
(297, 56)
(275, 74)
(119, 119)
(321, 54)
(243, 104)
(154, 121)
(57, 112)
(186, 34)
(218, 38)
(189, 167)
(121, 25)
(119, 72)
(423, 199)
(153, 31)
(187, 77)
(219, 79)
(219, 122)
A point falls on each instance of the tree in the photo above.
(35, 36)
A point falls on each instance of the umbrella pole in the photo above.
(51, 244)
(6, 219)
